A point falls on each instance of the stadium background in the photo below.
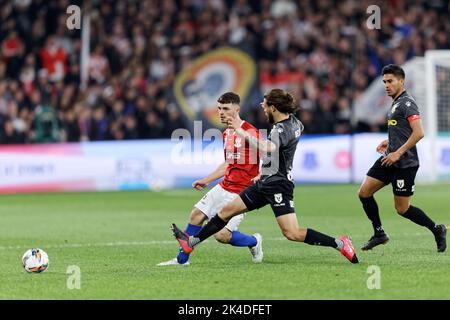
(150, 67)
(156, 66)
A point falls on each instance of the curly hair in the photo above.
(282, 100)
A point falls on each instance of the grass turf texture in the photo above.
(117, 239)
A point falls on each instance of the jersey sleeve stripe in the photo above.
(413, 117)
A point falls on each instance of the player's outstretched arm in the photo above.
(213, 176)
(264, 146)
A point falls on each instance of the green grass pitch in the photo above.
(117, 238)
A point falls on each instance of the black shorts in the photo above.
(279, 194)
(402, 180)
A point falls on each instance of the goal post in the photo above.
(437, 111)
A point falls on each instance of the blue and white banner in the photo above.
(166, 164)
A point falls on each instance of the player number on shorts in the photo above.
(289, 176)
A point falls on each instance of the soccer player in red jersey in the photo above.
(240, 168)
(275, 185)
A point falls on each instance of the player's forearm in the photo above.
(411, 142)
(217, 174)
(254, 142)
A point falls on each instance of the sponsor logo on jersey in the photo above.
(392, 122)
(233, 156)
(400, 183)
(238, 142)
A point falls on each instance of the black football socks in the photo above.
(371, 209)
(319, 239)
(213, 226)
(419, 217)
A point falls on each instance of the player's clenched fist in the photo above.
(382, 147)
(199, 184)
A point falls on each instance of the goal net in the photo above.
(437, 112)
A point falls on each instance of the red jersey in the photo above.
(243, 162)
(55, 61)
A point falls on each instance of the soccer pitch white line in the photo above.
(98, 244)
(111, 244)
(134, 243)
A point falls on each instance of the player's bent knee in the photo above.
(232, 209)
(401, 209)
(227, 212)
(196, 217)
(363, 193)
(289, 235)
(223, 236)
(293, 235)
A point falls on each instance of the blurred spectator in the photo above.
(98, 66)
(130, 131)
(98, 129)
(70, 127)
(54, 59)
(12, 50)
(10, 135)
(343, 116)
(28, 74)
(45, 125)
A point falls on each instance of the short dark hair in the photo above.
(229, 97)
(394, 69)
(282, 100)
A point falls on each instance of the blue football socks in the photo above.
(191, 230)
(239, 239)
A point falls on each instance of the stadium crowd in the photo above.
(320, 50)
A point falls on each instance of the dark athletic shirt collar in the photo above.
(404, 92)
(283, 120)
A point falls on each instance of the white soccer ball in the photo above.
(35, 260)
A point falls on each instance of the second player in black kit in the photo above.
(399, 164)
(402, 173)
(275, 185)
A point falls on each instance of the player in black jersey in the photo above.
(275, 186)
(399, 163)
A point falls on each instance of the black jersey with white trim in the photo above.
(277, 165)
(403, 110)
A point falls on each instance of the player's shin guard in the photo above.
(192, 231)
(419, 217)
(371, 209)
(239, 239)
(213, 226)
